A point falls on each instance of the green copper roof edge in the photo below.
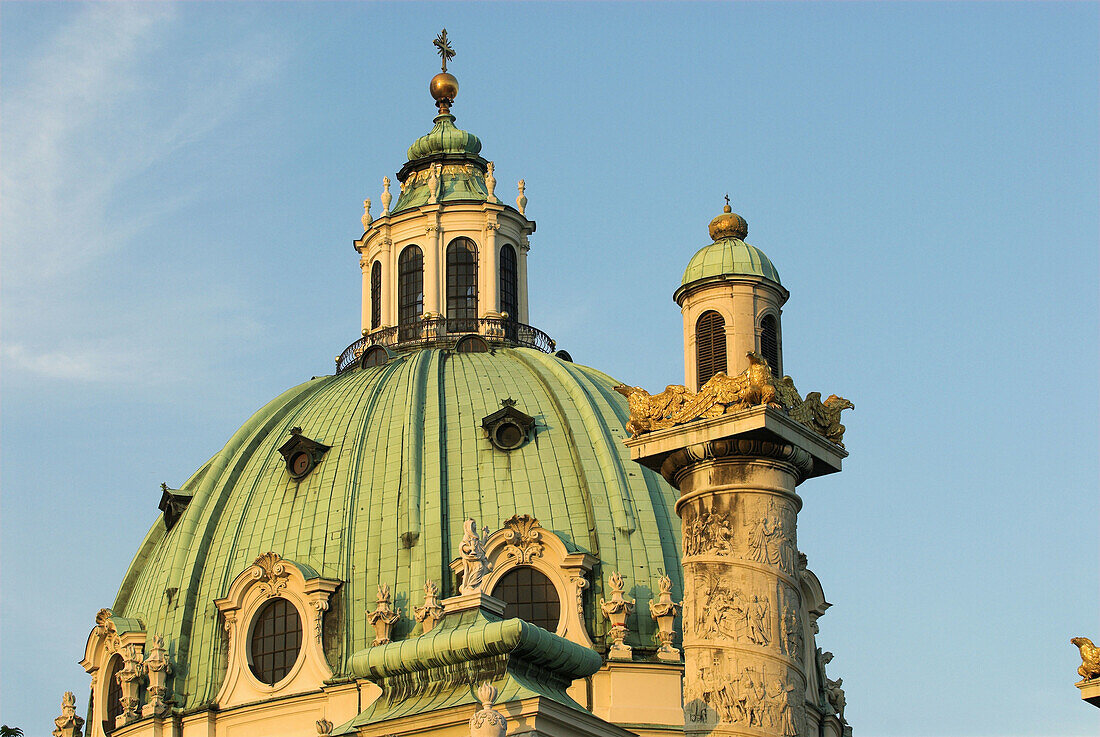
(480, 639)
(153, 538)
(725, 260)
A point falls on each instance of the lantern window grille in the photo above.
(410, 292)
(509, 282)
(462, 286)
(376, 296)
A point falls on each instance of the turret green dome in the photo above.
(729, 257)
(444, 138)
(408, 461)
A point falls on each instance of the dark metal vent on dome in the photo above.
(172, 503)
(508, 428)
(301, 454)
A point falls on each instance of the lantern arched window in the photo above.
(509, 282)
(462, 286)
(376, 295)
(410, 292)
(710, 346)
(769, 343)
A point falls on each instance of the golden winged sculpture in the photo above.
(755, 386)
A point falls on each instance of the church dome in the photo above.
(402, 458)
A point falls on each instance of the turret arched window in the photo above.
(376, 295)
(410, 292)
(769, 343)
(509, 282)
(710, 346)
(113, 708)
(462, 286)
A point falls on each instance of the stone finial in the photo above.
(429, 614)
(1090, 658)
(157, 669)
(490, 182)
(366, 219)
(487, 722)
(68, 724)
(664, 610)
(474, 563)
(129, 677)
(324, 727)
(616, 611)
(386, 197)
(521, 199)
(383, 617)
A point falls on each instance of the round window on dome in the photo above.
(276, 641)
(300, 464)
(531, 596)
(508, 435)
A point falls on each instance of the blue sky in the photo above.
(182, 183)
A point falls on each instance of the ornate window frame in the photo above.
(110, 637)
(522, 541)
(269, 576)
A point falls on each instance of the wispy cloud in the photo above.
(84, 122)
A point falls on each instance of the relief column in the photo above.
(742, 632)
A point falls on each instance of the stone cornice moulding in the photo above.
(268, 577)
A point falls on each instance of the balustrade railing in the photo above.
(440, 331)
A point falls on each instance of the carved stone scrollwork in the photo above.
(616, 611)
(157, 668)
(68, 724)
(431, 613)
(664, 610)
(383, 617)
(320, 606)
(271, 573)
(487, 721)
(523, 538)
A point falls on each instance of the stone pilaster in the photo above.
(742, 634)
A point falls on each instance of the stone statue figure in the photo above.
(474, 563)
(386, 198)
(367, 219)
(490, 182)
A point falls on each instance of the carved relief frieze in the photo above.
(757, 695)
(731, 608)
(707, 533)
(769, 536)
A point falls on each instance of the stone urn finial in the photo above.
(664, 610)
(616, 611)
(383, 617)
(68, 724)
(429, 614)
(366, 219)
(521, 199)
(386, 197)
(490, 182)
(487, 722)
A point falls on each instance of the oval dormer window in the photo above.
(276, 641)
(529, 595)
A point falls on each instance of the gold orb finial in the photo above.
(729, 224)
(444, 86)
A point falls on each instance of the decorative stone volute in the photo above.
(487, 721)
(68, 724)
(157, 670)
(664, 610)
(429, 614)
(383, 617)
(616, 611)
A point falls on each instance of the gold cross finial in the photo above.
(727, 198)
(443, 47)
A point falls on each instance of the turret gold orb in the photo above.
(444, 88)
(728, 225)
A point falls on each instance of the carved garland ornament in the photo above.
(756, 386)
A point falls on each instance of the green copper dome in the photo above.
(444, 138)
(729, 257)
(408, 461)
